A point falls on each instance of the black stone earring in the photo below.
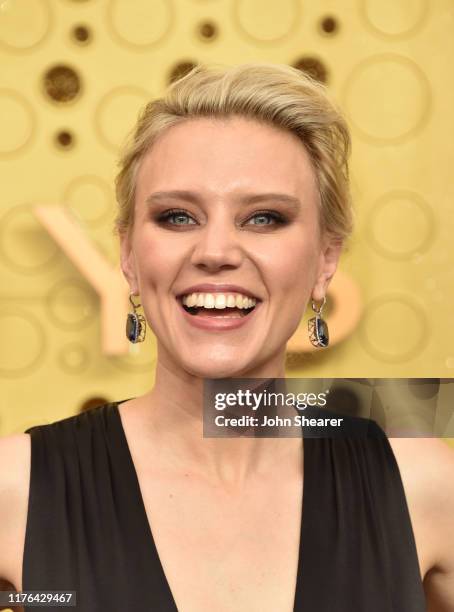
(318, 328)
(135, 324)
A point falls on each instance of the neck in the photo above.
(173, 415)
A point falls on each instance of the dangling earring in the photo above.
(135, 324)
(318, 328)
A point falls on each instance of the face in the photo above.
(225, 251)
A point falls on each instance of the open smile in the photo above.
(216, 310)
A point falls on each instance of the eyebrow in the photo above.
(190, 196)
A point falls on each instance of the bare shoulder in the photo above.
(427, 469)
(426, 466)
(15, 456)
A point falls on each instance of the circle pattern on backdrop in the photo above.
(71, 304)
(81, 34)
(116, 112)
(394, 328)
(140, 27)
(387, 98)
(208, 31)
(313, 66)
(73, 358)
(62, 84)
(266, 25)
(393, 19)
(64, 140)
(180, 70)
(24, 24)
(24, 244)
(17, 122)
(90, 199)
(400, 224)
(23, 343)
(329, 25)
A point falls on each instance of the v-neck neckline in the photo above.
(148, 529)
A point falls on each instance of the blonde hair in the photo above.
(278, 95)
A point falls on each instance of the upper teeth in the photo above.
(218, 300)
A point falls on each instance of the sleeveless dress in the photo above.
(87, 528)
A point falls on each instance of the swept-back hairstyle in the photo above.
(276, 94)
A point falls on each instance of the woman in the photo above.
(234, 185)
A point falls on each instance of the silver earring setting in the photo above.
(135, 324)
(318, 328)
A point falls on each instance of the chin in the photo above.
(216, 367)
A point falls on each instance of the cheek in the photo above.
(290, 266)
(158, 262)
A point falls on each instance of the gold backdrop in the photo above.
(73, 76)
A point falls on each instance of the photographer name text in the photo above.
(297, 420)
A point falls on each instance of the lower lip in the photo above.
(218, 323)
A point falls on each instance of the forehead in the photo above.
(227, 154)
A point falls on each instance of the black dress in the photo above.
(87, 528)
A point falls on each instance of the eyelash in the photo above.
(165, 216)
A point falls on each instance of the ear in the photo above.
(127, 262)
(327, 265)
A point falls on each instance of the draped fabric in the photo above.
(87, 528)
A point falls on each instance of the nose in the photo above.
(217, 246)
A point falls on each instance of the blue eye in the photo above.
(260, 219)
(177, 217)
(265, 218)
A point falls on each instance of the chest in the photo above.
(225, 550)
